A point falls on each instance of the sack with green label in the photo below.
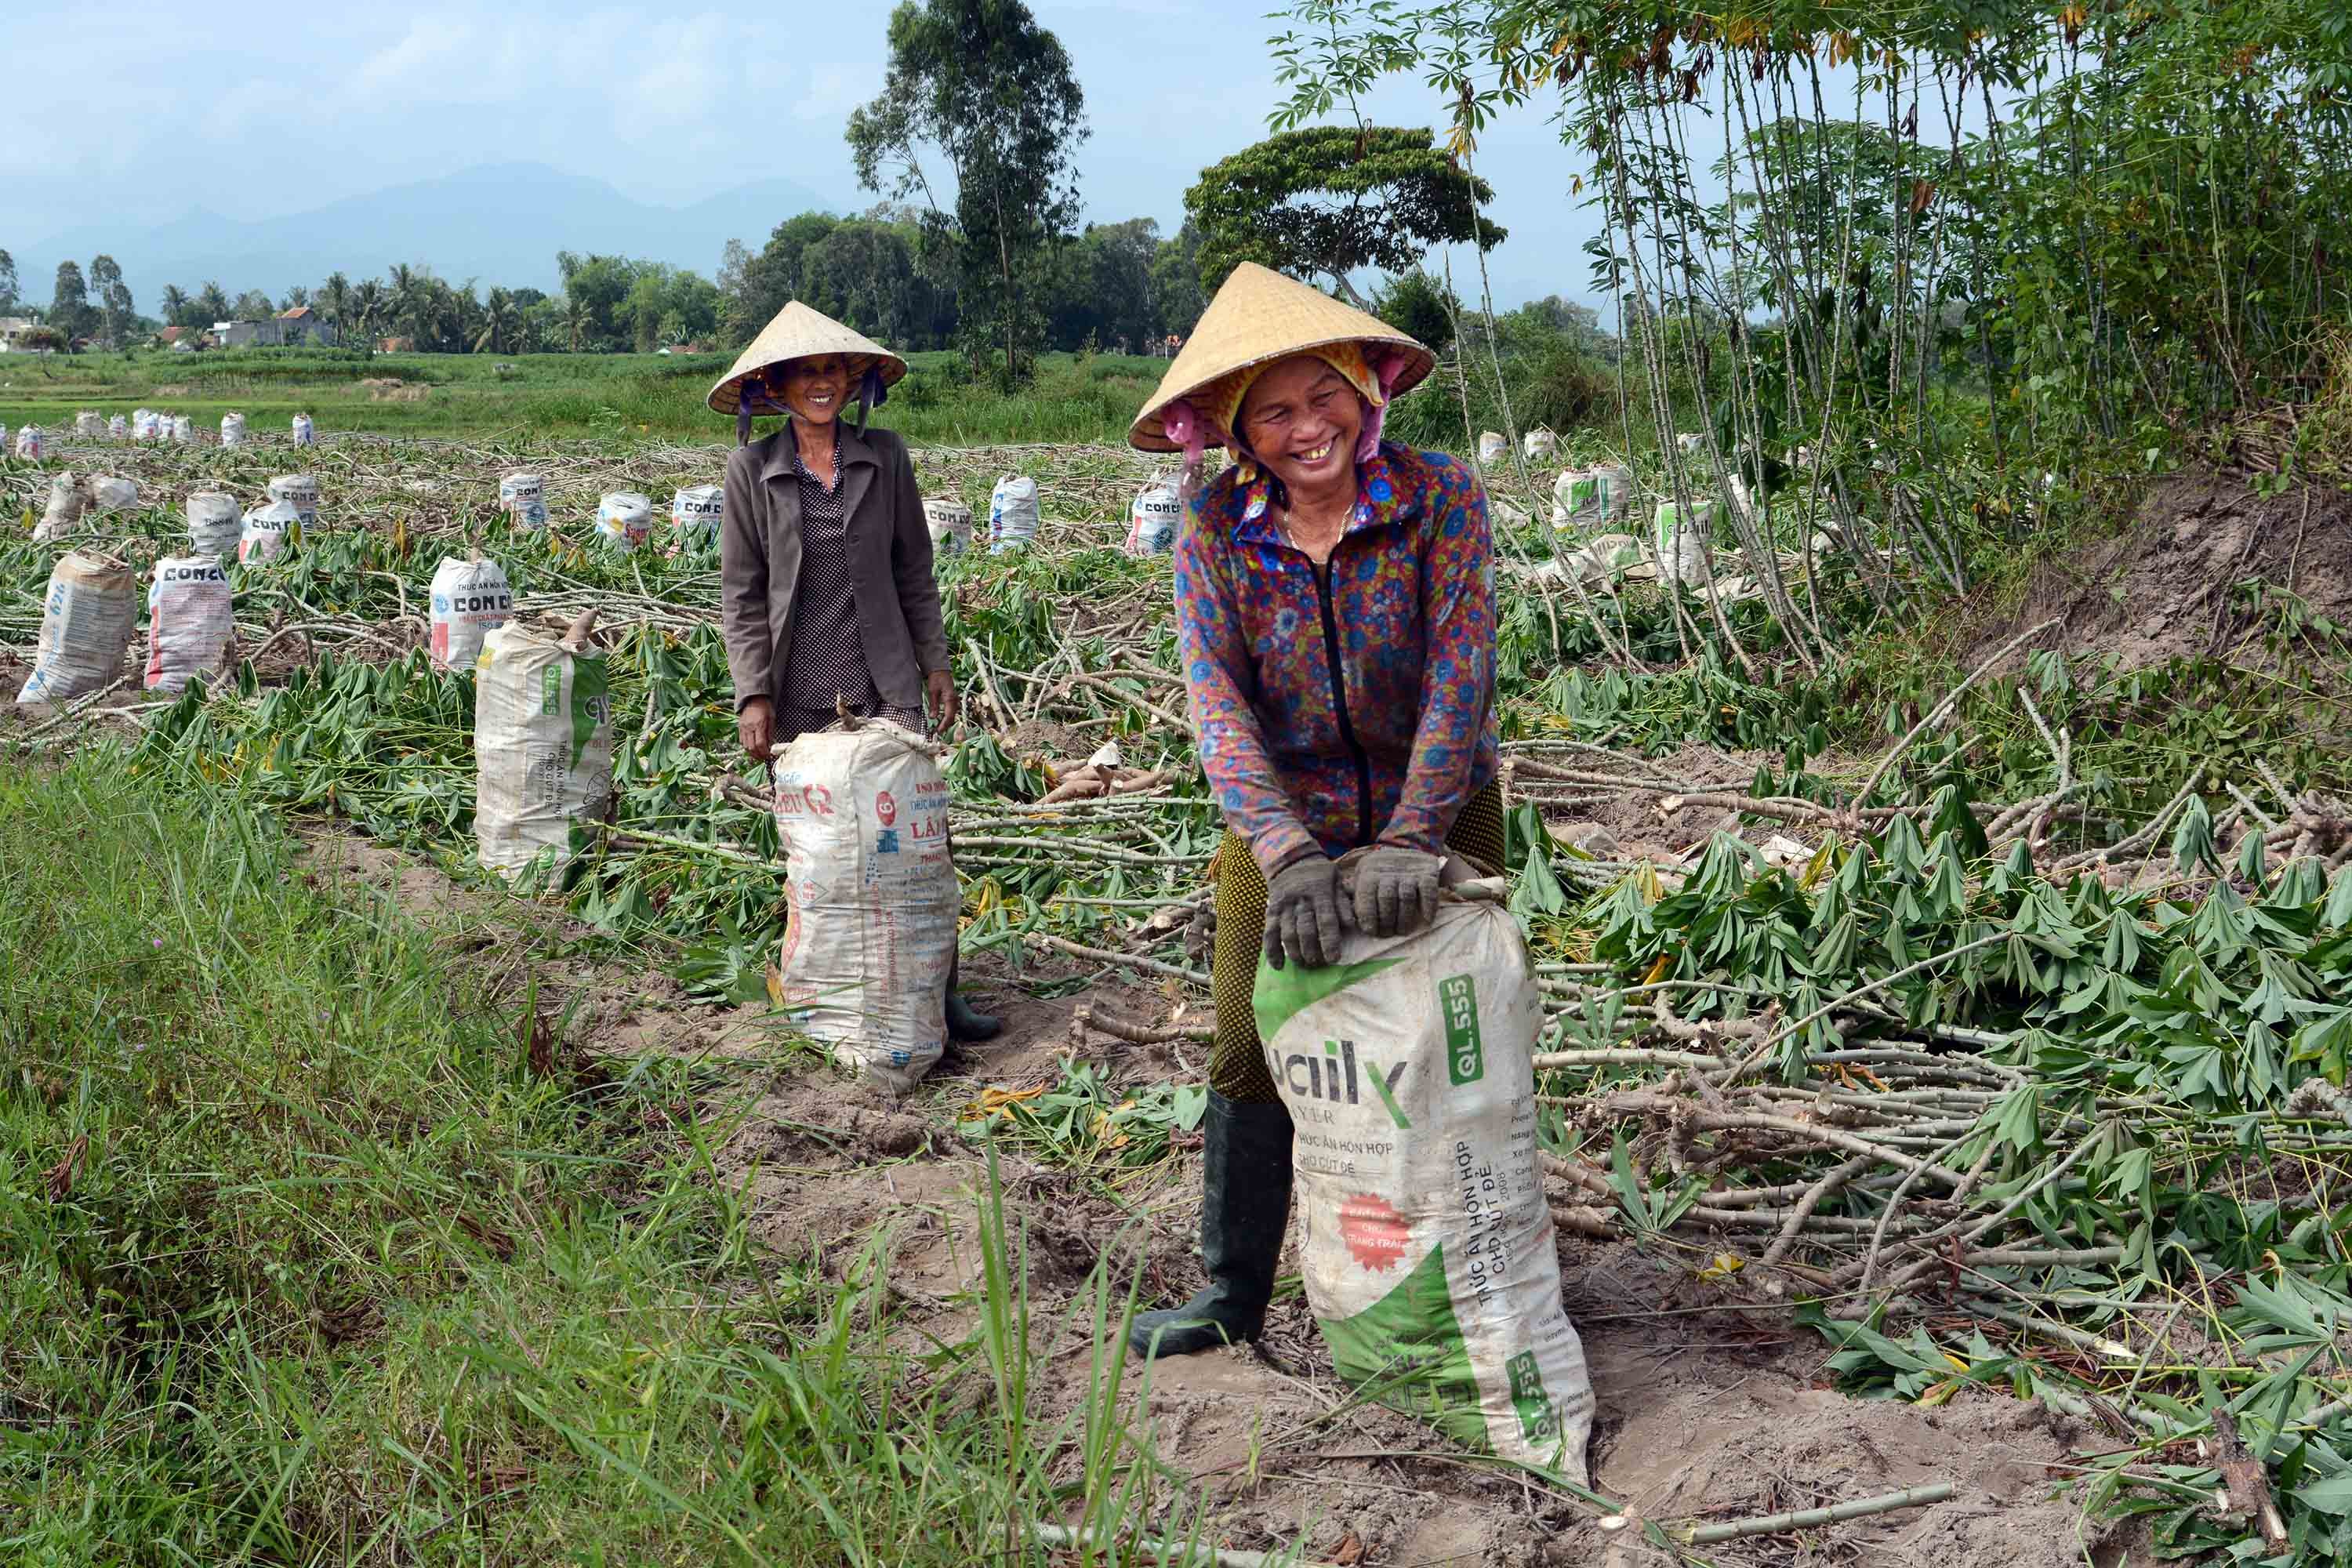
(1408, 1071)
(542, 742)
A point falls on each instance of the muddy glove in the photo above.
(1304, 912)
(1396, 890)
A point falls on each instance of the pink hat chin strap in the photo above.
(1184, 425)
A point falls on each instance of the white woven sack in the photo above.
(517, 487)
(470, 600)
(189, 622)
(1539, 445)
(29, 444)
(1682, 547)
(949, 523)
(67, 501)
(215, 523)
(542, 746)
(1153, 517)
(184, 430)
(306, 434)
(694, 513)
(529, 514)
(625, 519)
(88, 425)
(232, 429)
(266, 531)
(1011, 514)
(1408, 1070)
(302, 493)
(1588, 498)
(117, 426)
(86, 620)
(863, 816)
(1491, 448)
(111, 492)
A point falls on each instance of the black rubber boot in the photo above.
(964, 1026)
(1244, 1207)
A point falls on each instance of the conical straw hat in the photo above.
(1257, 316)
(798, 333)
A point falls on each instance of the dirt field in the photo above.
(1709, 1409)
(2162, 588)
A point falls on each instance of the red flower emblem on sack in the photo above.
(1375, 1233)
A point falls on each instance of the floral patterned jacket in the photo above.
(1361, 709)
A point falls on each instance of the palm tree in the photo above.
(335, 295)
(367, 306)
(577, 322)
(498, 322)
(174, 305)
(410, 301)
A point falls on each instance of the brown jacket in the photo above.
(889, 566)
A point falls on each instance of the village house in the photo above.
(299, 325)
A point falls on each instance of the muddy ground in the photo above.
(1708, 1410)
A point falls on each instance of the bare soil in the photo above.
(2161, 588)
(1710, 1409)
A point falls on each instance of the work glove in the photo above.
(1304, 912)
(1396, 890)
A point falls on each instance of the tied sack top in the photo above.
(1342, 708)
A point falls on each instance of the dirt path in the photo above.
(1706, 1412)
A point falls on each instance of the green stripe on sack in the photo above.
(1406, 1350)
(1280, 994)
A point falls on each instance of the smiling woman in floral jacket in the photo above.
(1335, 612)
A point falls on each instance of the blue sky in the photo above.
(248, 108)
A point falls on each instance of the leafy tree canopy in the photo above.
(1322, 202)
(994, 93)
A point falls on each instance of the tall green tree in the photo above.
(994, 93)
(368, 308)
(173, 303)
(757, 287)
(113, 299)
(1177, 299)
(253, 305)
(500, 318)
(8, 282)
(1323, 202)
(600, 286)
(335, 301)
(69, 309)
(211, 303)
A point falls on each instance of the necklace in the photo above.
(1290, 536)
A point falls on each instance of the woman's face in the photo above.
(1301, 419)
(815, 388)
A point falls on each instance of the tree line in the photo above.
(999, 268)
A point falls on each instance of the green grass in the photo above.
(607, 397)
(307, 1264)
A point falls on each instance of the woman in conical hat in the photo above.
(827, 600)
(1335, 612)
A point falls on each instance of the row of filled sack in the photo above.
(147, 425)
(1013, 518)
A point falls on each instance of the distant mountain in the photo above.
(496, 223)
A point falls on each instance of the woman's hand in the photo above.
(755, 726)
(939, 697)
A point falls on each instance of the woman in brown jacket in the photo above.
(826, 593)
